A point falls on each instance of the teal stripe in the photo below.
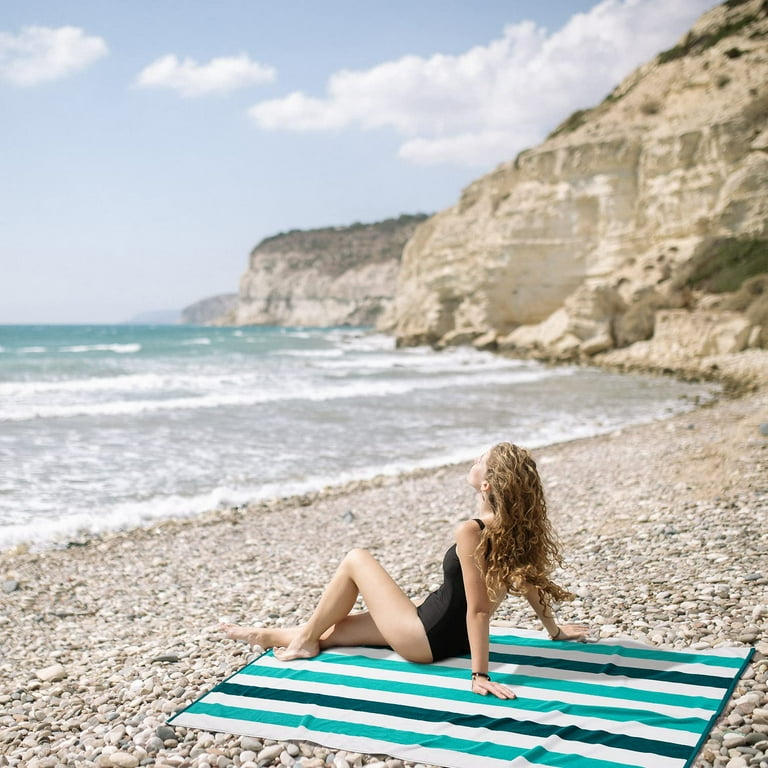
(655, 654)
(436, 716)
(719, 710)
(485, 749)
(350, 682)
(609, 666)
(512, 679)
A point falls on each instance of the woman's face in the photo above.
(477, 472)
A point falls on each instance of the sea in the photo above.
(107, 427)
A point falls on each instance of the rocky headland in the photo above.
(640, 224)
(323, 277)
(207, 311)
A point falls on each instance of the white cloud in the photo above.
(486, 104)
(38, 54)
(192, 79)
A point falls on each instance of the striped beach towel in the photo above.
(610, 704)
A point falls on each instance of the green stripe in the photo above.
(606, 667)
(477, 748)
(688, 724)
(655, 654)
(413, 713)
(512, 679)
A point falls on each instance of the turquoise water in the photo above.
(103, 427)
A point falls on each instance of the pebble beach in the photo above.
(664, 527)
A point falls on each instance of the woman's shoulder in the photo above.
(469, 529)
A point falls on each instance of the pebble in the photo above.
(270, 753)
(123, 760)
(10, 585)
(733, 740)
(51, 674)
(664, 543)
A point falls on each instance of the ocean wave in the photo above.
(46, 531)
(127, 383)
(311, 391)
(32, 350)
(204, 340)
(434, 362)
(120, 349)
(309, 353)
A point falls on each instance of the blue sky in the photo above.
(148, 146)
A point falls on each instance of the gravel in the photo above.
(664, 527)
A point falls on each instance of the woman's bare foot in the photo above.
(299, 648)
(250, 635)
(264, 637)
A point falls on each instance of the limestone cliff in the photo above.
(572, 248)
(322, 277)
(208, 311)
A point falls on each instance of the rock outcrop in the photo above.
(323, 277)
(209, 311)
(577, 246)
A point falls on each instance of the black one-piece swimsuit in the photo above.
(444, 612)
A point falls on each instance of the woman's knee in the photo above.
(357, 555)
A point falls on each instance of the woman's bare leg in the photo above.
(266, 637)
(355, 629)
(389, 610)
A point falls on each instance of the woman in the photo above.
(508, 547)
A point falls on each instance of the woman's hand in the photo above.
(484, 686)
(578, 632)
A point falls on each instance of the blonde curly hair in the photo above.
(518, 547)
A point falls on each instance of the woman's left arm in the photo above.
(479, 610)
(546, 616)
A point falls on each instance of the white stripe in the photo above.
(732, 651)
(528, 691)
(549, 673)
(481, 707)
(687, 667)
(513, 740)
(414, 753)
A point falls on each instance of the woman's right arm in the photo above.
(479, 610)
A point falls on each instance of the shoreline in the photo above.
(730, 387)
(664, 528)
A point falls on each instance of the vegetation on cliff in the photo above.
(341, 248)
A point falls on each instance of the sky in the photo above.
(148, 146)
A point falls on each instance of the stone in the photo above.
(599, 343)
(165, 732)
(486, 340)
(744, 705)
(251, 744)
(10, 585)
(764, 428)
(116, 735)
(734, 739)
(52, 674)
(760, 715)
(154, 744)
(267, 754)
(123, 760)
